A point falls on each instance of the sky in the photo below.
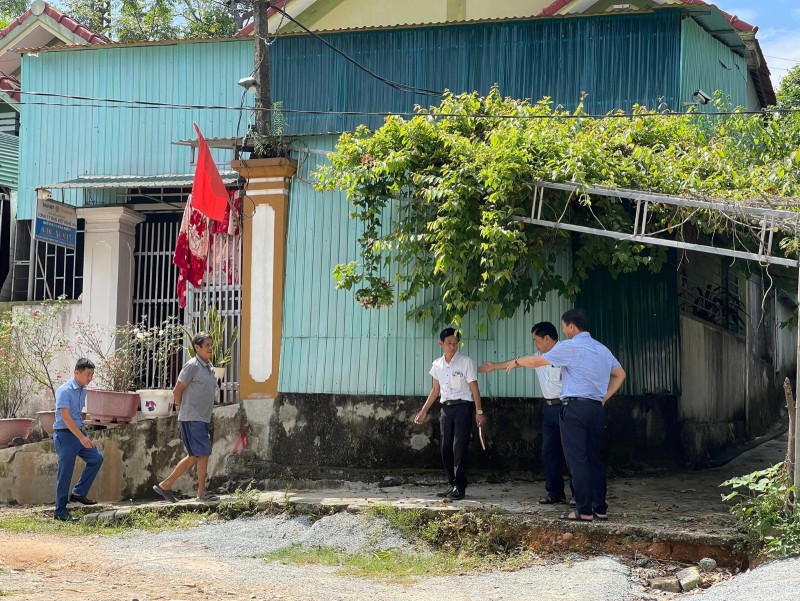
(778, 30)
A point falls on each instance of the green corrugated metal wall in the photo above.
(618, 60)
(636, 316)
(9, 160)
(709, 65)
(331, 345)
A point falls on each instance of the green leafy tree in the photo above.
(152, 20)
(11, 9)
(789, 93)
(439, 195)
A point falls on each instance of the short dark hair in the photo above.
(577, 318)
(199, 338)
(545, 328)
(83, 364)
(447, 332)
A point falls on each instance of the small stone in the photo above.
(567, 536)
(669, 584)
(645, 562)
(391, 481)
(707, 564)
(689, 578)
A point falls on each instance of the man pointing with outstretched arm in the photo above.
(590, 376)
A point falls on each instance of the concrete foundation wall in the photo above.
(136, 456)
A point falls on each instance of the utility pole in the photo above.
(264, 98)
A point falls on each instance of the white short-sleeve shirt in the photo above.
(454, 377)
(550, 381)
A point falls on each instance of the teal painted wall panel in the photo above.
(9, 160)
(619, 60)
(636, 316)
(331, 345)
(708, 64)
(83, 138)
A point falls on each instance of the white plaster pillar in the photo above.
(108, 266)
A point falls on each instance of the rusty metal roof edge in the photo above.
(367, 29)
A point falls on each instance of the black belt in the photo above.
(567, 399)
(553, 401)
(450, 402)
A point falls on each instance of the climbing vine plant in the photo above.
(439, 195)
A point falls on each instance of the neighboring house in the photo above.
(40, 26)
(349, 379)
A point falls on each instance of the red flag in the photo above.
(208, 192)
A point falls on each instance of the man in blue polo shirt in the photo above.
(590, 375)
(70, 441)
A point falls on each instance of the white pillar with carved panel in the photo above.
(108, 264)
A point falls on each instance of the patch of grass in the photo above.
(395, 566)
(148, 521)
(243, 503)
(479, 533)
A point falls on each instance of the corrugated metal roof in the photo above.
(137, 181)
(9, 160)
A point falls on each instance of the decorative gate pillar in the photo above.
(266, 216)
(108, 264)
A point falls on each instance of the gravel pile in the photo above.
(248, 537)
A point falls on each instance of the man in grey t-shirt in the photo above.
(194, 396)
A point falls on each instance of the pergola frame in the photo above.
(767, 219)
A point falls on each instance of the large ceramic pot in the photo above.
(14, 427)
(155, 403)
(105, 407)
(47, 420)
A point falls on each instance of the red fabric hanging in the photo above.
(208, 191)
(191, 250)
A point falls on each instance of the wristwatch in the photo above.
(479, 412)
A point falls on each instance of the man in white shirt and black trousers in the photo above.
(455, 379)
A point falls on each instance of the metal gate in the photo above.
(155, 288)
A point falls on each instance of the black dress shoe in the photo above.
(81, 499)
(65, 518)
(456, 494)
(445, 493)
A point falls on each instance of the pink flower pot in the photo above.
(105, 407)
(11, 428)
(46, 420)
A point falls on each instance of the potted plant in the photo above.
(13, 388)
(38, 342)
(162, 345)
(119, 364)
(213, 322)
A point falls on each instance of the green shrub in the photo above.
(762, 507)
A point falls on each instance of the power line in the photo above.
(780, 58)
(134, 104)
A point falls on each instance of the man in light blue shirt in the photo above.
(590, 375)
(70, 441)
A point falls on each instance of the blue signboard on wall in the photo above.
(56, 223)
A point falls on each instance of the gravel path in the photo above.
(232, 548)
(774, 581)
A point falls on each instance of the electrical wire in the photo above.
(136, 104)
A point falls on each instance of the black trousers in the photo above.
(552, 451)
(455, 422)
(583, 424)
